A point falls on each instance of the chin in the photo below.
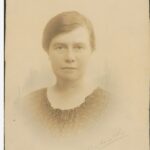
(69, 77)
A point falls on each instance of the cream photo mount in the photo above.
(78, 93)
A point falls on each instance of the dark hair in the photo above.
(66, 22)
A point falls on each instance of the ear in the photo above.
(48, 52)
(92, 51)
(48, 55)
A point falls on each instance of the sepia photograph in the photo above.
(76, 75)
(69, 42)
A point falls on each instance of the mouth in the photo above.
(69, 68)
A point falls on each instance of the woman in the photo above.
(73, 102)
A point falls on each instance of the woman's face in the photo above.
(69, 54)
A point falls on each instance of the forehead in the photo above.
(79, 34)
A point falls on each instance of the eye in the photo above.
(59, 47)
(79, 47)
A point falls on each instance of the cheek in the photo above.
(54, 59)
(84, 60)
(53, 63)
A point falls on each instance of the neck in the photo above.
(67, 85)
(69, 94)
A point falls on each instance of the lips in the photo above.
(69, 68)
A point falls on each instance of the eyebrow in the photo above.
(65, 45)
(79, 43)
(59, 44)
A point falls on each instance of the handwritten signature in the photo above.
(118, 135)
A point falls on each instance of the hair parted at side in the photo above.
(66, 22)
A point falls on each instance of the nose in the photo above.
(70, 56)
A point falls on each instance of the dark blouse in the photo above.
(39, 112)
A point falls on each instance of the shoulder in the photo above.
(32, 108)
(99, 98)
(33, 100)
(100, 92)
(35, 95)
